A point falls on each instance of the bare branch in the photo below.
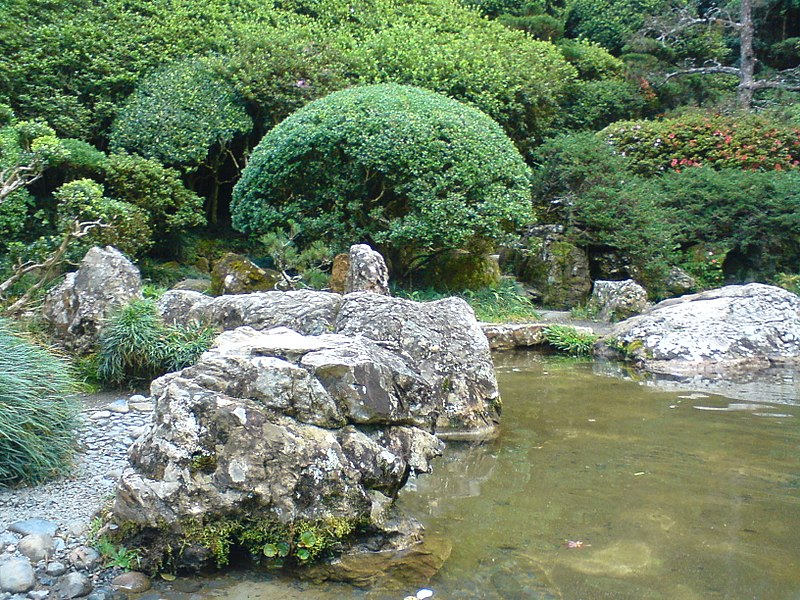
(703, 71)
(48, 266)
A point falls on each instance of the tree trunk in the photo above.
(747, 57)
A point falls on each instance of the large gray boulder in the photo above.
(277, 430)
(733, 328)
(77, 309)
(445, 341)
(442, 339)
(617, 300)
(306, 311)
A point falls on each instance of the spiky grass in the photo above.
(569, 339)
(38, 413)
(137, 345)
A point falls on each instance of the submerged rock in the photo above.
(77, 309)
(733, 328)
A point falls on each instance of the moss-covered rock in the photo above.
(236, 274)
(461, 270)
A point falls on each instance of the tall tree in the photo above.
(671, 28)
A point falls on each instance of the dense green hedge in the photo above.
(405, 169)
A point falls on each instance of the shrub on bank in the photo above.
(138, 345)
(38, 415)
(748, 142)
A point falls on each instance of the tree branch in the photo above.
(703, 71)
(78, 230)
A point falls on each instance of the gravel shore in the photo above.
(44, 550)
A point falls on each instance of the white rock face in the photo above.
(367, 271)
(618, 300)
(737, 327)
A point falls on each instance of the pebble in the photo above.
(36, 547)
(34, 527)
(52, 520)
(119, 406)
(8, 539)
(132, 582)
(17, 576)
(84, 557)
(56, 569)
(73, 585)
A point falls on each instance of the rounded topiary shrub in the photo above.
(407, 170)
(38, 417)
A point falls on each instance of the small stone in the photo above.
(77, 528)
(131, 582)
(137, 398)
(135, 432)
(73, 585)
(56, 569)
(34, 526)
(84, 557)
(17, 576)
(119, 406)
(144, 407)
(100, 414)
(36, 547)
(8, 539)
(38, 594)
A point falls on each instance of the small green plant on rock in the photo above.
(628, 350)
(115, 555)
(299, 542)
(570, 340)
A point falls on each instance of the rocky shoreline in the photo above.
(44, 530)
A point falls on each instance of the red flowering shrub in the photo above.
(747, 142)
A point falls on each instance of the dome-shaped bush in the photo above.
(407, 170)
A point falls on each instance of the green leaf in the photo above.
(308, 539)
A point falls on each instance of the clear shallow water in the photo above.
(674, 493)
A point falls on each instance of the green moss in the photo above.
(203, 463)
(299, 542)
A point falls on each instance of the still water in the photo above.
(604, 486)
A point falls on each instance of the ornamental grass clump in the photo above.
(38, 414)
(138, 346)
(569, 340)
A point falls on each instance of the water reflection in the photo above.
(604, 484)
(779, 385)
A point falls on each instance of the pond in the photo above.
(604, 486)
